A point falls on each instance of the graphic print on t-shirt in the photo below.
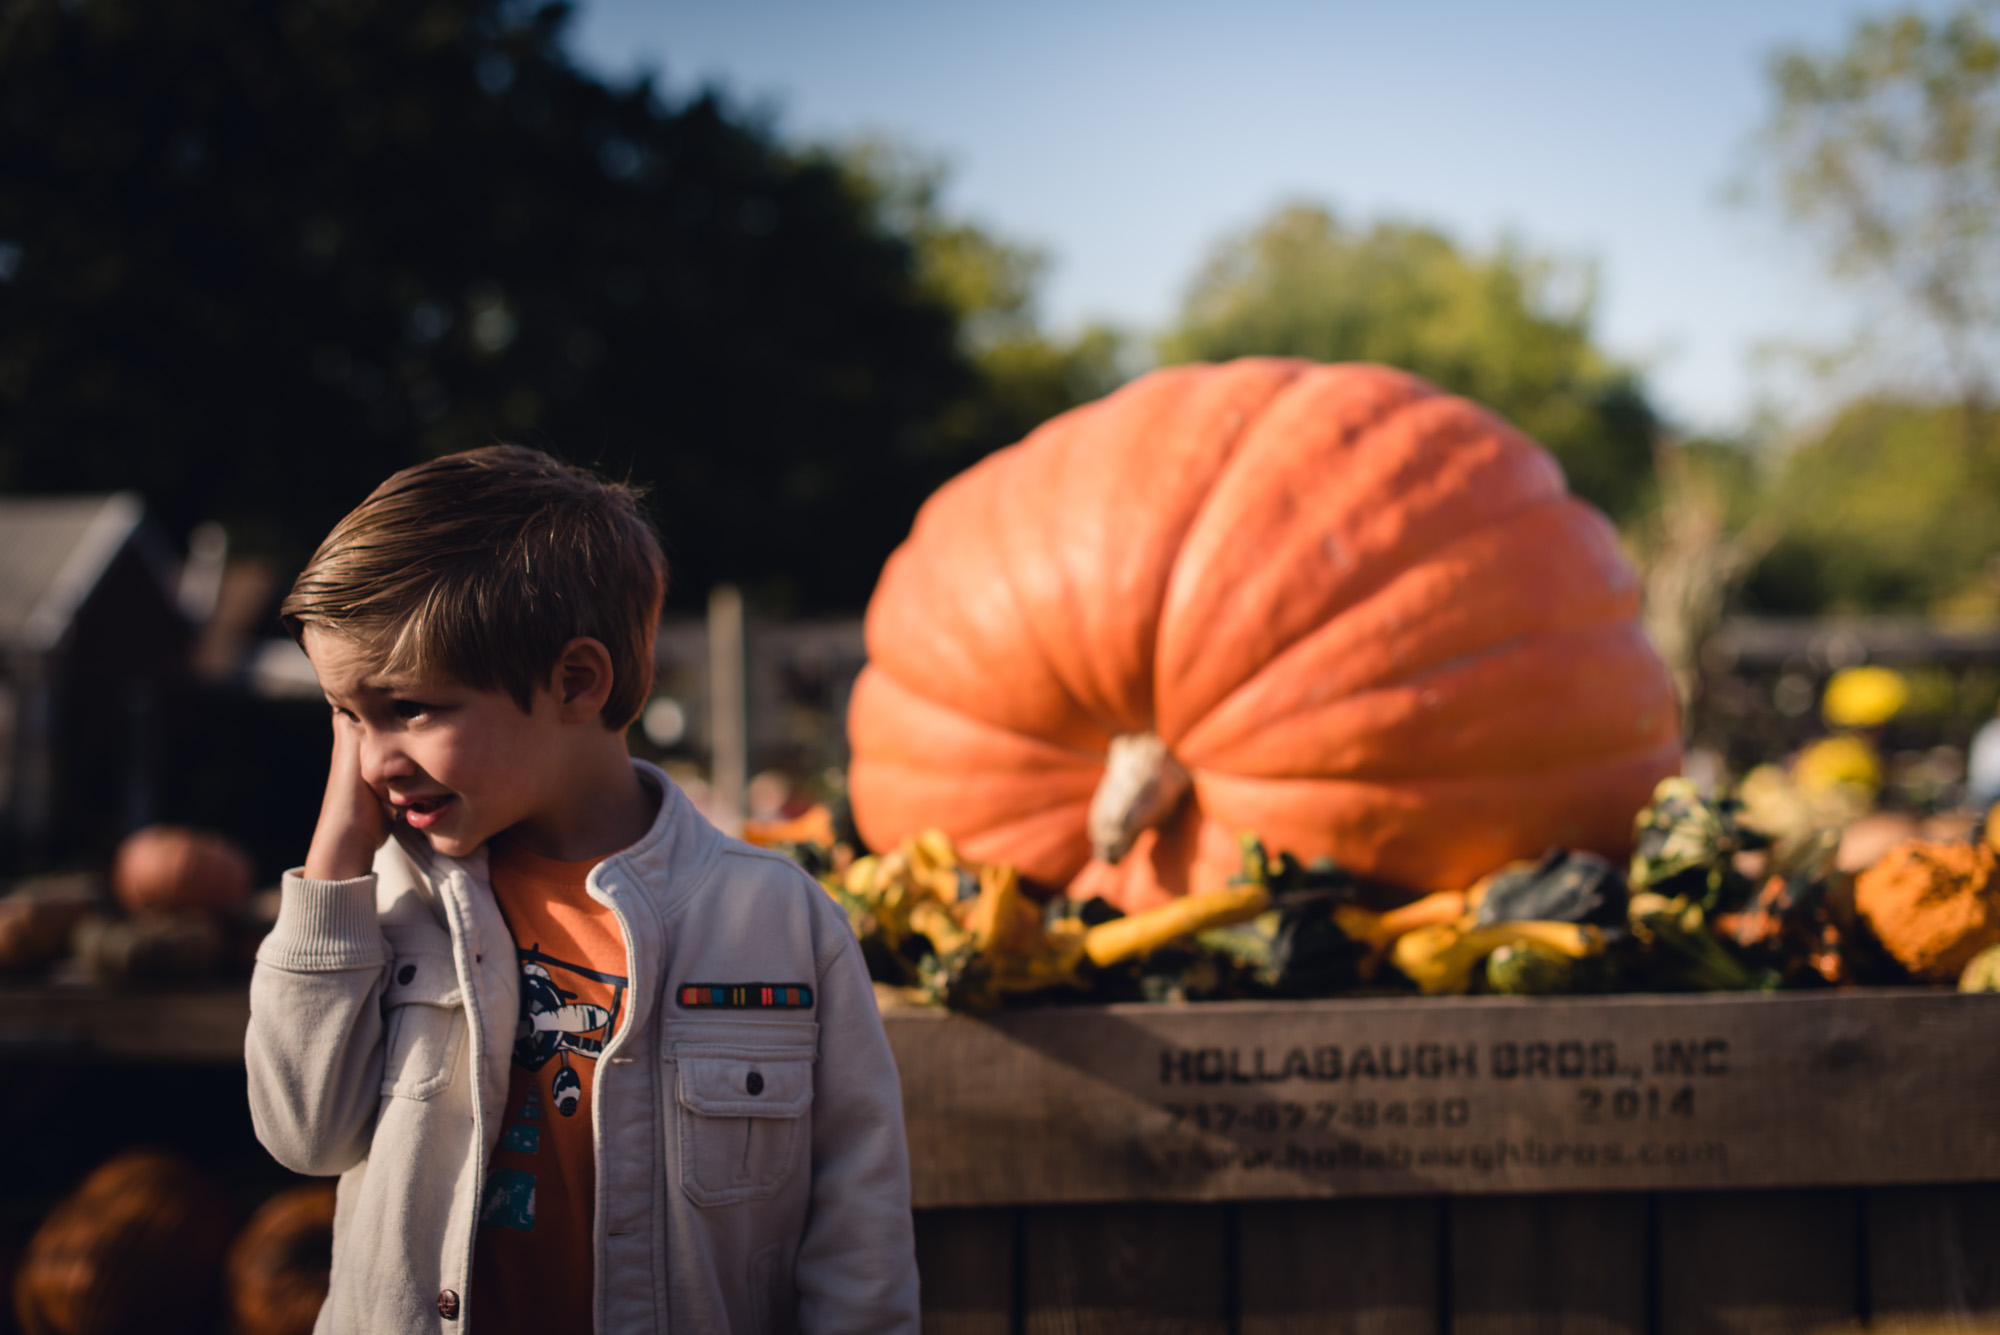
(555, 1023)
(534, 1254)
(568, 1012)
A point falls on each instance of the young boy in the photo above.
(581, 1062)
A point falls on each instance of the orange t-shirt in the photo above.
(533, 1258)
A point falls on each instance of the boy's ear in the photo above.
(583, 678)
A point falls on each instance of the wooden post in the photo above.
(1356, 1267)
(967, 1263)
(729, 726)
(1127, 1270)
(1757, 1262)
(1934, 1253)
(1549, 1265)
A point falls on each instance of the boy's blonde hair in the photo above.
(479, 567)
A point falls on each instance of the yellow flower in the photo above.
(1834, 762)
(1864, 697)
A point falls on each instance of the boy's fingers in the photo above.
(354, 820)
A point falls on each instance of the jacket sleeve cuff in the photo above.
(325, 925)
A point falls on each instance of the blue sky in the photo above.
(1125, 138)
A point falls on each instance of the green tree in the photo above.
(990, 284)
(1888, 152)
(255, 254)
(1884, 510)
(1510, 329)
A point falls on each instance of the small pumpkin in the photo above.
(812, 826)
(173, 868)
(136, 1248)
(279, 1265)
(1933, 906)
(1328, 605)
(37, 916)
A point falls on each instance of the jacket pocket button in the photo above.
(755, 1084)
(448, 1305)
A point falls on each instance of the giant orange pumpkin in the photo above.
(1329, 605)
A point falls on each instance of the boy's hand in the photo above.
(352, 822)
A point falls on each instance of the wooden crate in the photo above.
(1656, 1165)
(1245, 1168)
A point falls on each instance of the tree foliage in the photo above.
(1510, 329)
(1885, 509)
(990, 284)
(256, 254)
(1888, 151)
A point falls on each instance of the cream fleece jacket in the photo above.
(383, 1017)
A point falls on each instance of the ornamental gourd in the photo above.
(1327, 605)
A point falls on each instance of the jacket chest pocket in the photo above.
(423, 1021)
(744, 1115)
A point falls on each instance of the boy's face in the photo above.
(457, 764)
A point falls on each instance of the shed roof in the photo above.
(53, 552)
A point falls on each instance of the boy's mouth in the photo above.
(420, 813)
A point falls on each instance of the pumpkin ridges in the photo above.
(1419, 484)
(1154, 872)
(1424, 620)
(1579, 804)
(1296, 530)
(1048, 847)
(925, 626)
(962, 800)
(919, 763)
(1096, 519)
(898, 724)
(1445, 722)
(1038, 827)
(1192, 853)
(967, 800)
(1367, 826)
(1214, 542)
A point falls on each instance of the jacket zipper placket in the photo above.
(470, 959)
(613, 1051)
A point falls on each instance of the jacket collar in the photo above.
(675, 855)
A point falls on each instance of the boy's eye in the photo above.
(347, 714)
(409, 709)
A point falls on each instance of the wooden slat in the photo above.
(1934, 1252)
(965, 1261)
(1549, 1265)
(1758, 1262)
(1348, 1098)
(1465, 1096)
(1127, 1270)
(196, 1026)
(1361, 1267)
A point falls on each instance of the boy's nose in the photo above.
(382, 760)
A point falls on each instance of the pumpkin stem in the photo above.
(1141, 787)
